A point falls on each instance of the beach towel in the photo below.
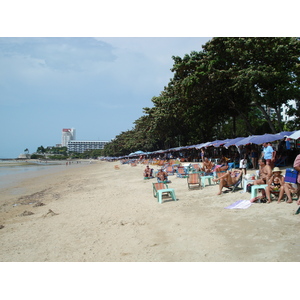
(240, 204)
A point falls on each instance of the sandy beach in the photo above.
(97, 213)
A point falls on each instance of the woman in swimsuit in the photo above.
(275, 184)
(228, 179)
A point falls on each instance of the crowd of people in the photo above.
(268, 174)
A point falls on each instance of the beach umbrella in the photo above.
(246, 141)
(233, 142)
(203, 145)
(295, 135)
(267, 137)
(139, 152)
(220, 143)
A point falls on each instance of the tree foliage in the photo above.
(225, 90)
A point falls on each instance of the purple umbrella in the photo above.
(233, 142)
(220, 143)
(266, 138)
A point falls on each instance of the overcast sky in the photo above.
(98, 86)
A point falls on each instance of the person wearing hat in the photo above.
(275, 184)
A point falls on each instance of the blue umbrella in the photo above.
(222, 142)
(266, 138)
(246, 140)
(233, 142)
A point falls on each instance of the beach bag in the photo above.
(291, 176)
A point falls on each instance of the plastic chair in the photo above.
(162, 189)
(255, 188)
(208, 177)
(193, 180)
(181, 172)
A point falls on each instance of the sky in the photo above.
(94, 67)
(97, 85)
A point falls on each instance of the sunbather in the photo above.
(228, 179)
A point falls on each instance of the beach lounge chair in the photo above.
(235, 186)
(161, 190)
(181, 172)
(170, 170)
(193, 181)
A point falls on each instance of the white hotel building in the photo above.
(82, 146)
(68, 139)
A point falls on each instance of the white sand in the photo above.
(102, 214)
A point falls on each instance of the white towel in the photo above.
(240, 204)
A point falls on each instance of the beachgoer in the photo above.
(228, 179)
(202, 155)
(265, 172)
(296, 166)
(223, 166)
(254, 158)
(289, 189)
(275, 184)
(162, 175)
(269, 154)
(207, 166)
(243, 163)
(147, 172)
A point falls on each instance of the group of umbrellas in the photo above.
(239, 141)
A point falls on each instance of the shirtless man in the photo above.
(207, 166)
(228, 179)
(162, 175)
(147, 172)
(265, 172)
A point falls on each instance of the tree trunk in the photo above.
(267, 117)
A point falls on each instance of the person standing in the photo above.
(296, 166)
(254, 158)
(268, 154)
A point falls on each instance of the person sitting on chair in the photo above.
(223, 166)
(148, 172)
(207, 166)
(265, 172)
(228, 179)
(162, 175)
(275, 184)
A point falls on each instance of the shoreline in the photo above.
(97, 213)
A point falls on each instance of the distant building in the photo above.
(68, 134)
(82, 146)
(285, 108)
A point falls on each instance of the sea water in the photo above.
(12, 172)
